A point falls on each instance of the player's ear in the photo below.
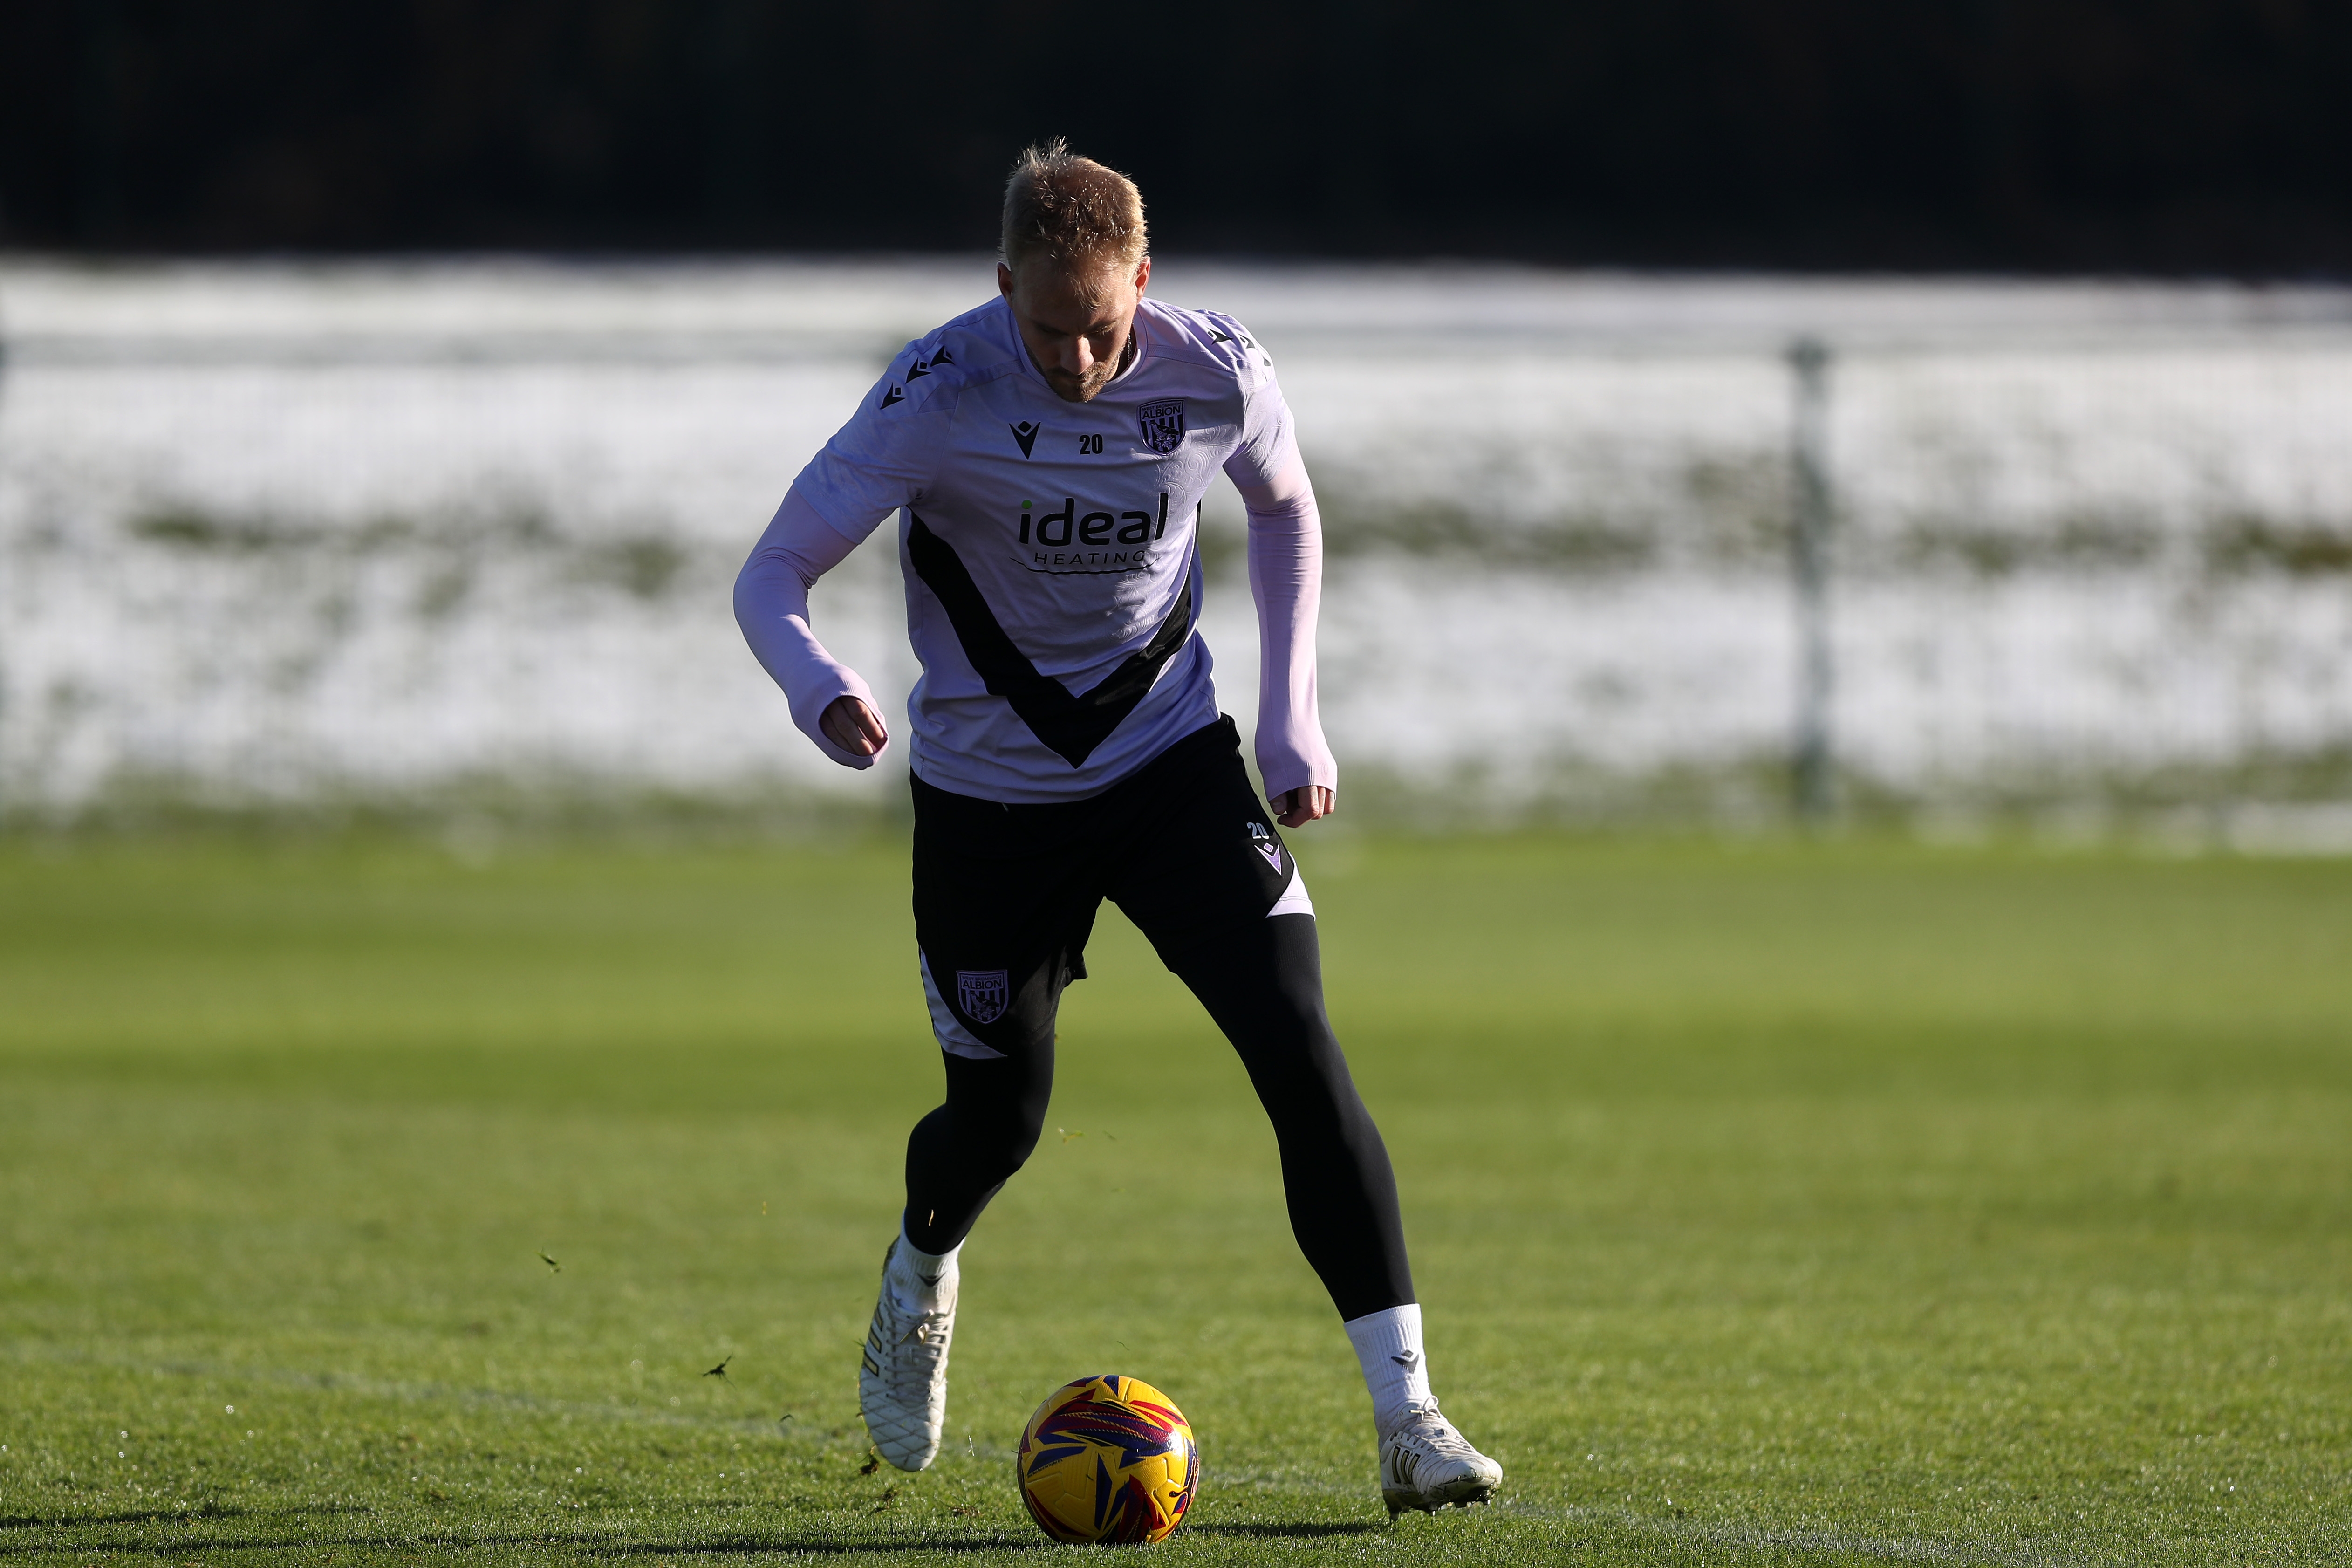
(1143, 274)
(1004, 280)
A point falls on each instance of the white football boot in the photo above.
(1426, 1464)
(902, 1380)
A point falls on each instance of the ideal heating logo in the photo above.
(1070, 540)
(1059, 530)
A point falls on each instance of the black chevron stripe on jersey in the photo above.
(1071, 726)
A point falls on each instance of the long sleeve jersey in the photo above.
(1051, 556)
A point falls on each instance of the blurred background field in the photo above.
(454, 541)
(1785, 1203)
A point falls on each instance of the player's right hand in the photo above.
(853, 726)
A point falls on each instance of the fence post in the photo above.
(1812, 770)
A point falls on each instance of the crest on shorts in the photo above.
(1163, 423)
(981, 994)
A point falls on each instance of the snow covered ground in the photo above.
(286, 533)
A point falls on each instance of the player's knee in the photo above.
(1316, 1126)
(1315, 1102)
(1292, 1018)
(1018, 1149)
(1000, 1142)
(1313, 1068)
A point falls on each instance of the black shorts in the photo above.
(1005, 895)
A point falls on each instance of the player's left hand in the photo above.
(1299, 806)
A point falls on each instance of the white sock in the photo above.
(1388, 1345)
(922, 1282)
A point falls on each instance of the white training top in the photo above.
(1051, 556)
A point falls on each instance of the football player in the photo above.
(1045, 455)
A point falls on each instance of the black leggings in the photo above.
(1199, 883)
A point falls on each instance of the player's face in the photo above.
(1076, 324)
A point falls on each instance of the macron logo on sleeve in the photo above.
(915, 372)
(1027, 433)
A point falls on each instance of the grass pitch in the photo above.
(1777, 1205)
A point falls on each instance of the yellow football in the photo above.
(1108, 1458)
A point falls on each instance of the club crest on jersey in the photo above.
(1266, 845)
(981, 994)
(1163, 423)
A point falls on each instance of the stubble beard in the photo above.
(1085, 388)
(1075, 388)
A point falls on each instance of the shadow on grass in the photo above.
(588, 1546)
(160, 1516)
(1290, 1532)
(830, 1544)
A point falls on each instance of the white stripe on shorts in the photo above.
(1294, 899)
(954, 1038)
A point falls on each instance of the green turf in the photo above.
(1777, 1205)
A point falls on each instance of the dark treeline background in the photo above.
(2133, 135)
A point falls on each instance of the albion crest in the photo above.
(1163, 423)
(981, 994)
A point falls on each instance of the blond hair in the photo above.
(1072, 211)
